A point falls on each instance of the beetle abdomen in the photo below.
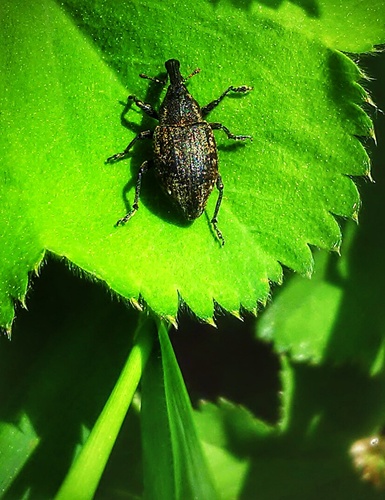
(186, 165)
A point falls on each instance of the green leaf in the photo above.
(301, 319)
(350, 26)
(60, 117)
(18, 442)
(338, 316)
(307, 455)
(174, 464)
(56, 374)
(219, 426)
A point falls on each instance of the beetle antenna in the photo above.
(195, 72)
(153, 79)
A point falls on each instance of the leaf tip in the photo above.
(135, 303)
(368, 175)
(172, 320)
(211, 322)
(236, 314)
(355, 215)
(7, 332)
(263, 301)
(23, 303)
(372, 135)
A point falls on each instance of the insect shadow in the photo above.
(151, 195)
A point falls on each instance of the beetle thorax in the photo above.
(179, 107)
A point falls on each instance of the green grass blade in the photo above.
(174, 464)
(84, 476)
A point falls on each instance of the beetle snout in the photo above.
(173, 70)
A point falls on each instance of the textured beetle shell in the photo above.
(179, 108)
(186, 165)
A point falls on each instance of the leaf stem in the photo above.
(83, 478)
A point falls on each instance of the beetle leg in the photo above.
(214, 220)
(146, 134)
(230, 135)
(142, 170)
(213, 104)
(145, 107)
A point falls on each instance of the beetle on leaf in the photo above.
(185, 152)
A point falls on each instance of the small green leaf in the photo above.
(18, 442)
(301, 319)
(219, 426)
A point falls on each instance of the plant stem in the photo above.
(83, 478)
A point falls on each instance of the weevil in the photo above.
(185, 157)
